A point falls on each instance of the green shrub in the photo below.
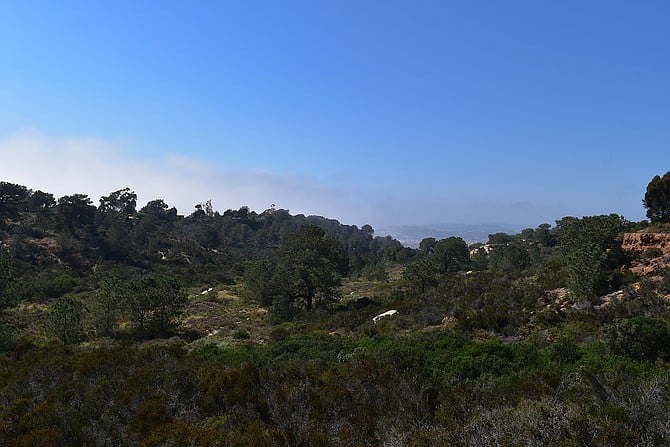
(640, 338)
(629, 277)
(665, 284)
(61, 285)
(564, 351)
(8, 335)
(66, 317)
(652, 252)
(241, 334)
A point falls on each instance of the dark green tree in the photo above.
(591, 249)
(260, 282)
(75, 211)
(451, 254)
(544, 236)
(159, 209)
(106, 306)
(427, 245)
(41, 201)
(308, 265)
(391, 249)
(500, 238)
(368, 231)
(311, 263)
(67, 320)
(122, 201)
(657, 198)
(114, 222)
(61, 285)
(585, 269)
(7, 277)
(420, 276)
(509, 258)
(42, 204)
(604, 231)
(13, 199)
(642, 338)
(153, 303)
(155, 220)
(488, 300)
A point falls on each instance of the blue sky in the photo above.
(381, 112)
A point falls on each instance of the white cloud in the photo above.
(97, 167)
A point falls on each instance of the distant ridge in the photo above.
(411, 235)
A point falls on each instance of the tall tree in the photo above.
(591, 248)
(7, 279)
(585, 267)
(451, 254)
(159, 209)
(41, 201)
(75, 211)
(114, 221)
(311, 263)
(509, 258)
(67, 317)
(605, 231)
(13, 199)
(106, 306)
(657, 198)
(420, 276)
(122, 201)
(259, 281)
(42, 204)
(427, 245)
(154, 302)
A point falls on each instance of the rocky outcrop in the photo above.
(644, 261)
(641, 242)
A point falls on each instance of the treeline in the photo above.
(56, 244)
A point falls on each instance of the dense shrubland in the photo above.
(142, 327)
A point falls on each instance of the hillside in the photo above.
(141, 327)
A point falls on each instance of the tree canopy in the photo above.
(451, 253)
(657, 199)
(309, 264)
(154, 301)
(592, 249)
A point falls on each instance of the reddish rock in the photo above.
(637, 244)
(641, 242)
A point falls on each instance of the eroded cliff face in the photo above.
(643, 262)
(641, 242)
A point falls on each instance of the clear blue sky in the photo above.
(381, 112)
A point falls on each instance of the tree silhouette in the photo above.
(657, 198)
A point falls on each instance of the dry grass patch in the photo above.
(223, 317)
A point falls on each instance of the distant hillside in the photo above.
(45, 236)
(411, 235)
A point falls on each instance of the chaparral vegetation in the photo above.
(135, 326)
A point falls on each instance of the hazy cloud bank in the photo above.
(97, 167)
